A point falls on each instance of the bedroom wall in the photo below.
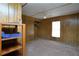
(30, 31)
(45, 29)
(10, 13)
(69, 28)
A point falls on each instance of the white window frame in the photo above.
(56, 29)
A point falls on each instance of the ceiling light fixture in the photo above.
(44, 17)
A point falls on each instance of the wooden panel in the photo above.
(68, 31)
(3, 12)
(11, 38)
(45, 28)
(19, 13)
(16, 12)
(24, 39)
(11, 49)
(10, 12)
(69, 28)
(19, 17)
(77, 35)
(29, 21)
(0, 39)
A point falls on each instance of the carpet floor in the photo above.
(42, 47)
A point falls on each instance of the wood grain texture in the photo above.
(24, 39)
(21, 44)
(29, 21)
(45, 28)
(69, 28)
(11, 49)
(3, 12)
(0, 40)
(10, 12)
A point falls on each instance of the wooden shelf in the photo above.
(10, 38)
(11, 49)
(15, 45)
(11, 24)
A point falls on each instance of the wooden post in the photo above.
(0, 39)
(24, 39)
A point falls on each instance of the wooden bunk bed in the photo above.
(12, 43)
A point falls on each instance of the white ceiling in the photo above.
(40, 10)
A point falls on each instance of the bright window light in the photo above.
(56, 29)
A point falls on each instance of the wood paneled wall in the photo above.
(10, 13)
(45, 29)
(69, 28)
(29, 21)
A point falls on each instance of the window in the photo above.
(56, 29)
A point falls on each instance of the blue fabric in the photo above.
(11, 35)
(5, 35)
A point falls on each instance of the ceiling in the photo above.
(46, 10)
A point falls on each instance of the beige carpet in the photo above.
(42, 47)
